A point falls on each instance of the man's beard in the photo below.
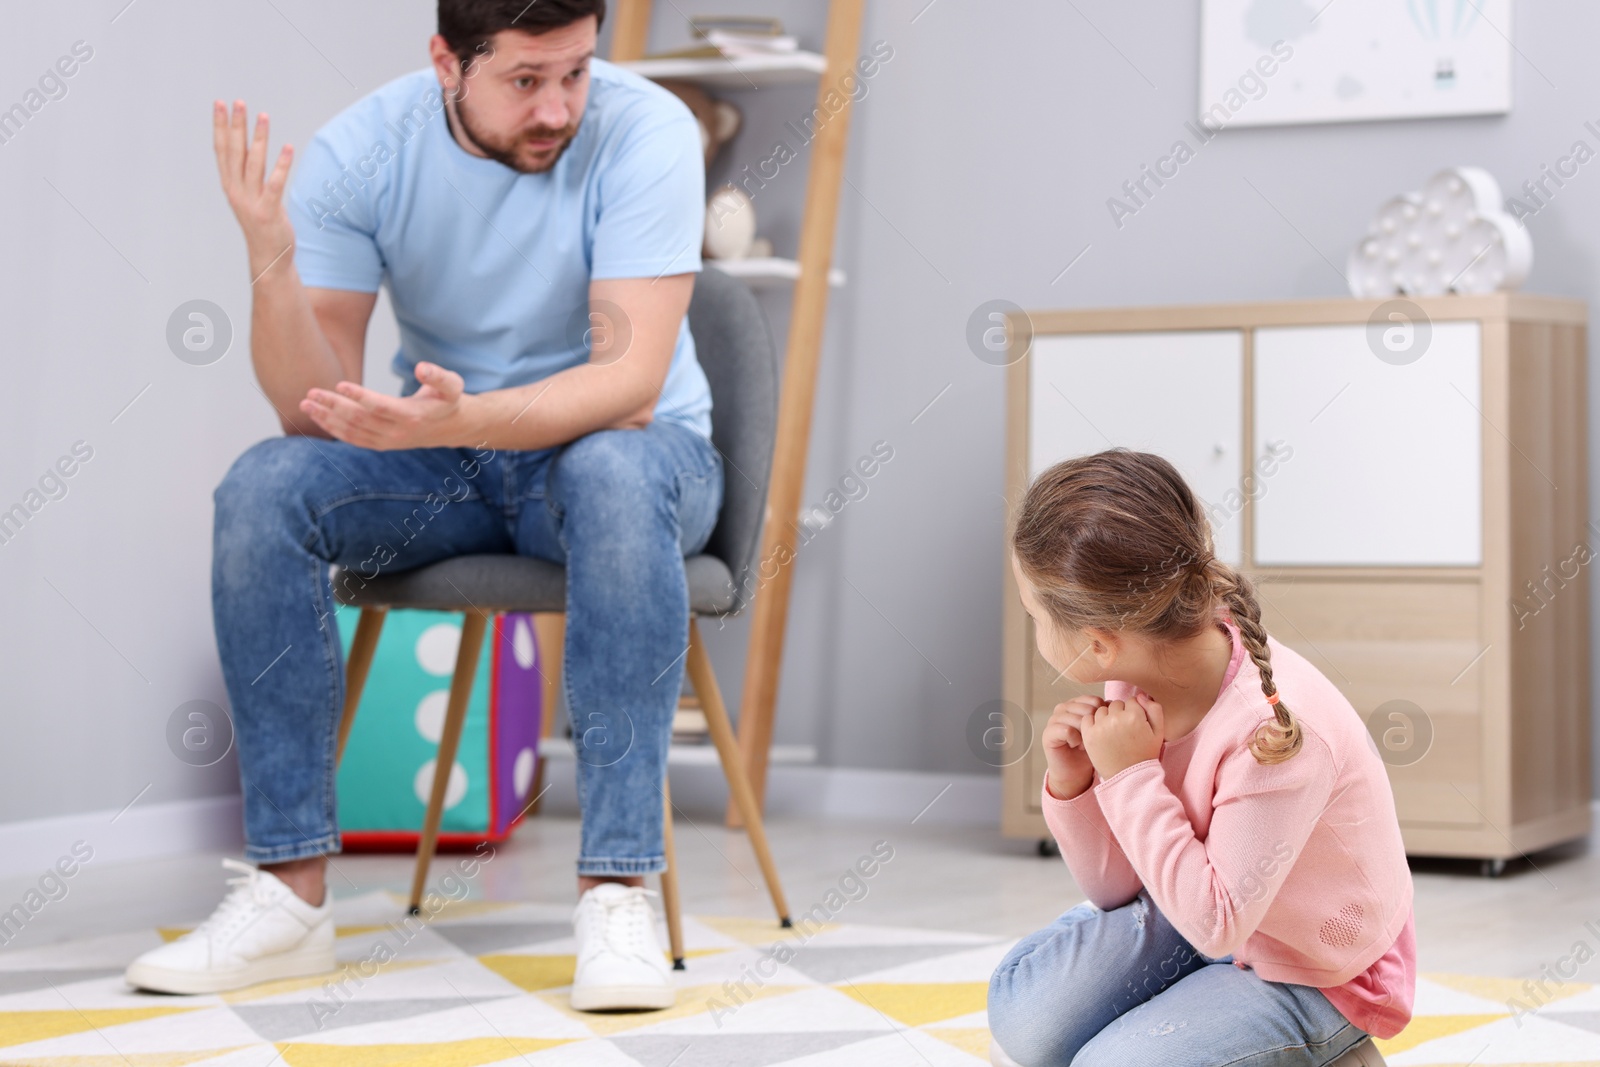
(511, 151)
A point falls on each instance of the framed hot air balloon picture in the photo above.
(1277, 62)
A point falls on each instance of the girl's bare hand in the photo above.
(1123, 733)
(1069, 769)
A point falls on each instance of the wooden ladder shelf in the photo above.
(764, 659)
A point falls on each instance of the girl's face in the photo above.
(1085, 656)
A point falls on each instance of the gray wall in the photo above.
(980, 165)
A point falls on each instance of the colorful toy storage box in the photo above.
(386, 775)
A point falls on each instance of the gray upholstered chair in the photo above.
(737, 354)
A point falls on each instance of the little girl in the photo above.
(1223, 807)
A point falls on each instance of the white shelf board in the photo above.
(736, 72)
(768, 271)
(560, 748)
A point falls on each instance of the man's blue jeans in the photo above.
(619, 508)
(1123, 987)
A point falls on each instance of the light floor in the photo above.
(965, 879)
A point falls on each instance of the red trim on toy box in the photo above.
(408, 840)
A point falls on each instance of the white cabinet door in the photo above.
(1177, 394)
(1384, 461)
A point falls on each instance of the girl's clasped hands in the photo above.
(1089, 734)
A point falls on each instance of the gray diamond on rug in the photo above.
(27, 981)
(733, 1050)
(280, 1022)
(1583, 1020)
(828, 964)
(482, 939)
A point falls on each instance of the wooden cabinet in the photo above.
(1385, 466)
(1184, 404)
(1414, 516)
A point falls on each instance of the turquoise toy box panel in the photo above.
(386, 775)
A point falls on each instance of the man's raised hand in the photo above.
(255, 196)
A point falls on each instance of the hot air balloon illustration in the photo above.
(1443, 20)
(1440, 20)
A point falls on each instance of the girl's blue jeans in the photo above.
(620, 509)
(1122, 987)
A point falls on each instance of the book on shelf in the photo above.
(732, 37)
(748, 44)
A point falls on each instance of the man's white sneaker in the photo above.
(620, 963)
(260, 932)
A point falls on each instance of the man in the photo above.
(536, 214)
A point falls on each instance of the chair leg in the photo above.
(359, 662)
(552, 630)
(472, 628)
(704, 680)
(671, 903)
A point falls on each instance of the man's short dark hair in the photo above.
(466, 24)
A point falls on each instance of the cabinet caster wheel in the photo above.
(1048, 848)
(1492, 868)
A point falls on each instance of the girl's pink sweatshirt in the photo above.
(1296, 868)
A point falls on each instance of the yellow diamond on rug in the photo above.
(1428, 1027)
(470, 1053)
(759, 931)
(1505, 990)
(347, 972)
(17, 1027)
(132, 1059)
(365, 928)
(701, 953)
(917, 1004)
(532, 973)
(973, 1039)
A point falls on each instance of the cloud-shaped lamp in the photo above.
(1452, 237)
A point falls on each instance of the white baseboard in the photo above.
(845, 793)
(139, 832)
(147, 831)
(860, 793)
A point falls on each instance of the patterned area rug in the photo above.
(486, 984)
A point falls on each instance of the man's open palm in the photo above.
(255, 196)
(431, 417)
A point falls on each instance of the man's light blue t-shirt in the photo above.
(488, 268)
